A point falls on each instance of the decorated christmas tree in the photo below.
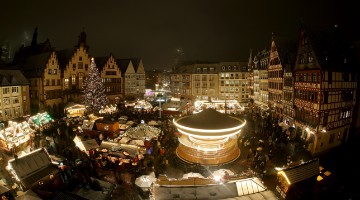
(93, 90)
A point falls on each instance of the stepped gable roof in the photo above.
(302, 171)
(12, 77)
(64, 57)
(210, 119)
(34, 65)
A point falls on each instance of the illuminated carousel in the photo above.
(208, 138)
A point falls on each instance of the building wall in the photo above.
(275, 81)
(74, 73)
(111, 76)
(52, 87)
(11, 105)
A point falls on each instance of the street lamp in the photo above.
(160, 100)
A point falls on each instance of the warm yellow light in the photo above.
(284, 175)
(209, 137)
(209, 130)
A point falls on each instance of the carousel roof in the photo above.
(210, 119)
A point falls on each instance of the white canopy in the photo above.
(145, 181)
(152, 123)
(143, 131)
(192, 175)
(221, 172)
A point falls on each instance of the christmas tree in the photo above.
(93, 90)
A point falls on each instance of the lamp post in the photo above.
(159, 100)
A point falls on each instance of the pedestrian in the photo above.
(270, 154)
(249, 154)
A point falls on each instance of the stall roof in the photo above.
(85, 145)
(3, 189)
(302, 171)
(33, 166)
(28, 195)
(237, 189)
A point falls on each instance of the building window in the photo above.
(66, 83)
(49, 71)
(7, 112)
(6, 101)
(311, 58)
(73, 79)
(55, 71)
(80, 65)
(15, 89)
(16, 100)
(6, 90)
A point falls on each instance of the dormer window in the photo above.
(310, 58)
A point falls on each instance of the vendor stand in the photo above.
(15, 135)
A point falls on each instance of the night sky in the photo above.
(156, 30)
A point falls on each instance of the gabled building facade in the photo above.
(325, 89)
(259, 68)
(133, 73)
(140, 77)
(110, 73)
(14, 95)
(43, 73)
(275, 79)
(74, 64)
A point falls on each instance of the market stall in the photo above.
(75, 110)
(85, 145)
(15, 134)
(143, 132)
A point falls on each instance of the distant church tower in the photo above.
(34, 38)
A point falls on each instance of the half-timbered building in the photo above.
(261, 84)
(325, 87)
(275, 79)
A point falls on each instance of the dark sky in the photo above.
(212, 30)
